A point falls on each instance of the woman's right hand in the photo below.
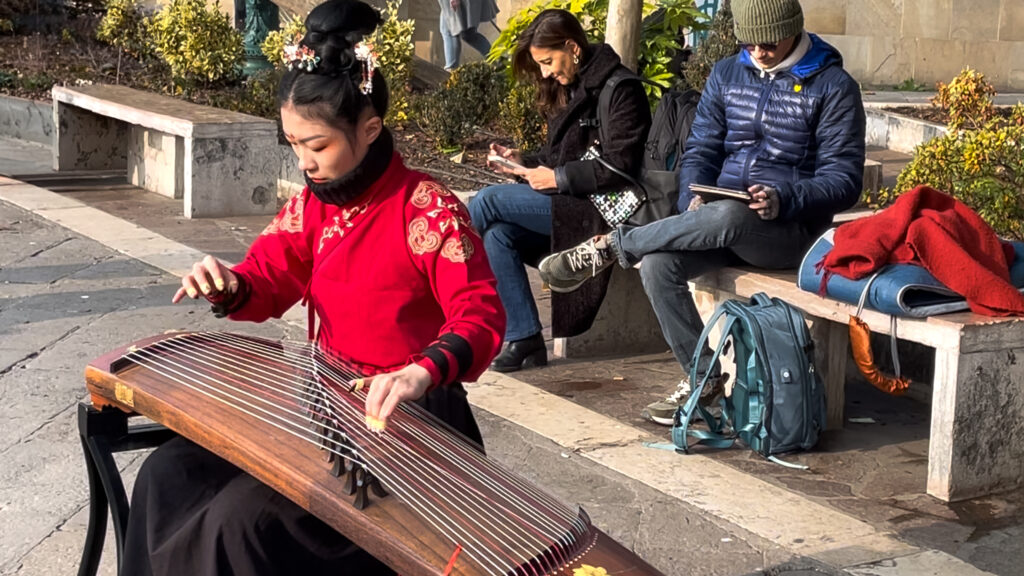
(209, 277)
(507, 153)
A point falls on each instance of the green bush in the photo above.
(256, 95)
(479, 86)
(433, 114)
(393, 44)
(981, 165)
(197, 42)
(720, 43)
(518, 117)
(967, 100)
(664, 25)
(124, 26)
(292, 30)
(468, 99)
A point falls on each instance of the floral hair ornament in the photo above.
(300, 56)
(365, 54)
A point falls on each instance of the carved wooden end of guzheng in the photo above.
(293, 418)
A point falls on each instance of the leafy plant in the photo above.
(197, 42)
(124, 26)
(452, 112)
(292, 30)
(518, 117)
(980, 165)
(910, 85)
(256, 95)
(719, 43)
(967, 99)
(660, 35)
(433, 114)
(661, 39)
(392, 42)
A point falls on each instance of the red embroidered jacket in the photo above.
(391, 275)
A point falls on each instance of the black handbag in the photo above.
(651, 198)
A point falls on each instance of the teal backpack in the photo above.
(778, 401)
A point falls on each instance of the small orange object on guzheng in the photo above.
(438, 505)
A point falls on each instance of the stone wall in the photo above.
(885, 42)
(26, 119)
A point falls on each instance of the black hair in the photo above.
(330, 92)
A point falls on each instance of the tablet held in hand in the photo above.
(712, 193)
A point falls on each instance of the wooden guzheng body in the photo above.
(483, 520)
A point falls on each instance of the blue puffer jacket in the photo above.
(801, 132)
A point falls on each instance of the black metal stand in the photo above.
(104, 432)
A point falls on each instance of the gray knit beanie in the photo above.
(766, 21)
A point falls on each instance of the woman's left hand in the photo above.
(388, 390)
(539, 178)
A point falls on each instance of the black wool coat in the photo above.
(570, 133)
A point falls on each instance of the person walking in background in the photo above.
(515, 220)
(781, 121)
(459, 21)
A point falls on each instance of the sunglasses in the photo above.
(763, 47)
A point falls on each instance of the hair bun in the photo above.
(334, 28)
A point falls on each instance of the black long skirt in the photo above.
(194, 513)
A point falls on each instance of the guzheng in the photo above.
(416, 495)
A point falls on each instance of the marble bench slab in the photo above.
(219, 162)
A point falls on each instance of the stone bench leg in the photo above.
(230, 176)
(156, 161)
(625, 323)
(831, 354)
(83, 140)
(976, 443)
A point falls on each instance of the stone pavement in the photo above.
(92, 266)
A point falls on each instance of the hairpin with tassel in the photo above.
(365, 54)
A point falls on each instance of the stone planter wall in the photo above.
(897, 132)
(26, 120)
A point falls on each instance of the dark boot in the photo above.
(524, 353)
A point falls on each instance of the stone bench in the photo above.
(219, 162)
(976, 444)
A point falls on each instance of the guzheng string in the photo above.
(503, 522)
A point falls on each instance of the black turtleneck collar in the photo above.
(352, 185)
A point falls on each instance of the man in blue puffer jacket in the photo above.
(781, 120)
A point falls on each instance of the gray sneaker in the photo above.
(567, 270)
(664, 411)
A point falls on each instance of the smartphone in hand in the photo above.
(505, 162)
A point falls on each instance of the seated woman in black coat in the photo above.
(515, 220)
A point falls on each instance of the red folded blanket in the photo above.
(940, 233)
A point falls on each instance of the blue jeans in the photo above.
(515, 223)
(453, 46)
(679, 248)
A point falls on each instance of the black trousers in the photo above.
(194, 513)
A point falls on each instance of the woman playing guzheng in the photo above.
(387, 260)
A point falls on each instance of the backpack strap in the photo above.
(604, 99)
(713, 437)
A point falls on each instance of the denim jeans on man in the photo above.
(453, 45)
(679, 248)
(515, 223)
